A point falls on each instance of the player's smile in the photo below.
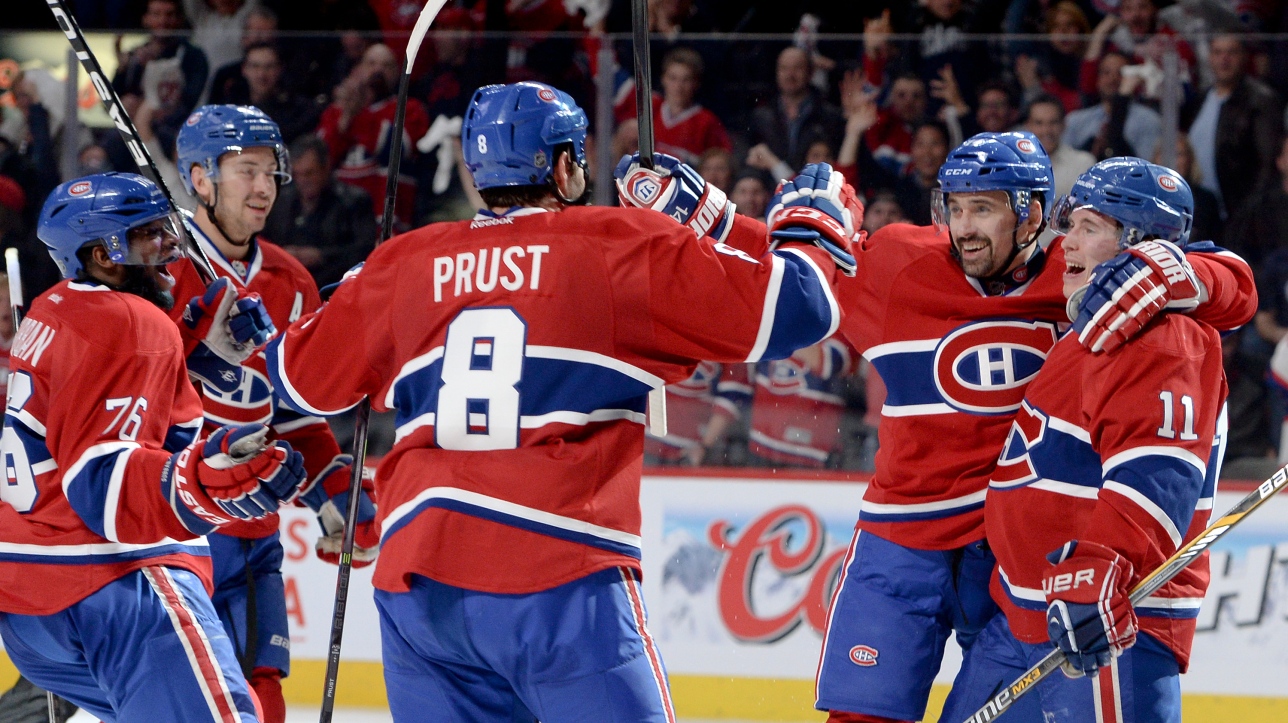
(1092, 239)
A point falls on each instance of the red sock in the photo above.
(267, 684)
(840, 716)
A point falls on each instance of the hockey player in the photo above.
(104, 574)
(233, 160)
(957, 324)
(1110, 466)
(518, 350)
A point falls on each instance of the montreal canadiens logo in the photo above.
(643, 187)
(864, 655)
(1026, 146)
(546, 94)
(984, 367)
(1168, 183)
(192, 119)
(80, 189)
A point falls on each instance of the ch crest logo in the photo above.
(1167, 183)
(644, 188)
(864, 655)
(80, 189)
(984, 367)
(1025, 145)
(547, 95)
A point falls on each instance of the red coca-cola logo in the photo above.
(766, 543)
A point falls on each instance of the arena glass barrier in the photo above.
(782, 483)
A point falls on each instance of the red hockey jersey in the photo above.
(689, 406)
(955, 362)
(518, 352)
(288, 292)
(1122, 449)
(98, 401)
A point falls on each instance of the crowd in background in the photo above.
(882, 89)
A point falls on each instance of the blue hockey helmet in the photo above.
(102, 209)
(511, 131)
(1148, 200)
(1014, 162)
(213, 130)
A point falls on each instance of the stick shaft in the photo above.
(362, 419)
(643, 80)
(129, 133)
(1148, 585)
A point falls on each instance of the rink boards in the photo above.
(738, 573)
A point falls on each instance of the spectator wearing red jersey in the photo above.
(682, 127)
(355, 128)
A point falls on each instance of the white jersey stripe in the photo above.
(911, 508)
(770, 310)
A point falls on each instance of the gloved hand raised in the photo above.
(675, 189)
(1128, 290)
(818, 207)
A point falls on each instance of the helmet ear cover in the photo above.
(1146, 200)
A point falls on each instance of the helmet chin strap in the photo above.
(214, 220)
(581, 200)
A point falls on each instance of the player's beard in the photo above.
(140, 282)
(984, 264)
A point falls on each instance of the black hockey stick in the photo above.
(644, 116)
(1189, 552)
(363, 416)
(125, 126)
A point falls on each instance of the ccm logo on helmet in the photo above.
(1168, 183)
(546, 94)
(1025, 145)
(80, 189)
(864, 655)
(984, 367)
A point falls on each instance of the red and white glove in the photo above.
(1130, 289)
(329, 498)
(1089, 611)
(231, 475)
(818, 207)
(673, 188)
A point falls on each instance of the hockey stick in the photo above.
(1189, 552)
(644, 116)
(14, 272)
(125, 126)
(363, 416)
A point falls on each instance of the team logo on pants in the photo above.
(863, 655)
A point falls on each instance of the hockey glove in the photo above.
(1089, 613)
(231, 475)
(675, 189)
(1130, 289)
(329, 498)
(230, 327)
(817, 207)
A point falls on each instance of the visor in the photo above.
(155, 243)
(939, 209)
(1062, 212)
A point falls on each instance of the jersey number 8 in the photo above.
(478, 404)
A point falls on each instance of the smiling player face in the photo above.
(1092, 239)
(983, 231)
(247, 190)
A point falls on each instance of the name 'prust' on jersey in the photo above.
(483, 269)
